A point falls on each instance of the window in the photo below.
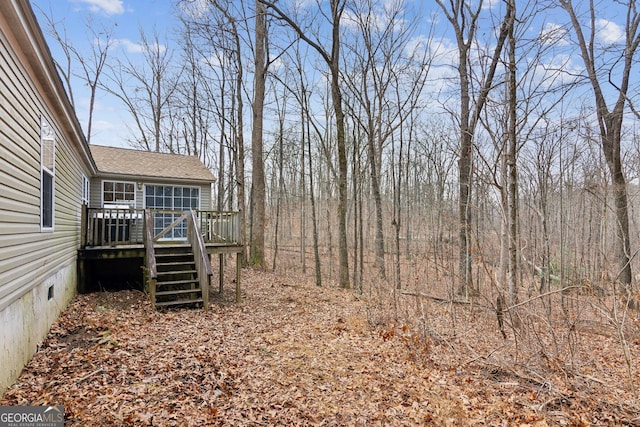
(118, 193)
(85, 190)
(168, 197)
(171, 198)
(47, 199)
(47, 174)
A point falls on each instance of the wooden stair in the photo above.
(177, 282)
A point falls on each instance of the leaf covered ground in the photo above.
(293, 354)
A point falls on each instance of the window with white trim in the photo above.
(85, 190)
(47, 174)
(118, 193)
(168, 197)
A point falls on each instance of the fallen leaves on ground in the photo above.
(290, 354)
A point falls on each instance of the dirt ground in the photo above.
(295, 354)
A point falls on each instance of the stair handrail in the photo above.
(201, 257)
(150, 255)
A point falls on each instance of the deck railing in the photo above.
(126, 226)
(150, 257)
(219, 227)
(112, 227)
(201, 258)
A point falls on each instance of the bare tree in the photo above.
(230, 28)
(191, 107)
(312, 197)
(610, 119)
(332, 58)
(381, 64)
(153, 86)
(281, 113)
(59, 33)
(464, 16)
(92, 68)
(297, 86)
(92, 64)
(257, 256)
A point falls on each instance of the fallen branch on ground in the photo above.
(86, 377)
(438, 299)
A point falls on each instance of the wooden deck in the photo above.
(146, 235)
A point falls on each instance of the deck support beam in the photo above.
(221, 271)
(238, 268)
(152, 291)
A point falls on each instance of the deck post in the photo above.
(83, 225)
(82, 275)
(152, 291)
(205, 292)
(238, 266)
(221, 277)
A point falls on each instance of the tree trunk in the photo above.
(240, 176)
(512, 167)
(377, 199)
(464, 20)
(221, 156)
(611, 147)
(303, 190)
(611, 123)
(258, 180)
(281, 113)
(333, 61)
(336, 96)
(312, 198)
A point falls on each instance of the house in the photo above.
(131, 187)
(63, 203)
(45, 165)
(148, 180)
(142, 179)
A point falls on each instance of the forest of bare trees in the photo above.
(470, 151)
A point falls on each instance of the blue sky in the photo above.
(81, 18)
(126, 17)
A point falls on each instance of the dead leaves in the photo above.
(291, 354)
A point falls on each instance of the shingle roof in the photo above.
(123, 161)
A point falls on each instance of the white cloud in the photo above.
(196, 9)
(277, 64)
(559, 69)
(609, 32)
(445, 52)
(554, 34)
(301, 4)
(128, 45)
(216, 60)
(109, 7)
(377, 19)
(133, 47)
(490, 4)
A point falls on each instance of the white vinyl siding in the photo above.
(34, 264)
(28, 256)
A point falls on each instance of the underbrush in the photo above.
(570, 347)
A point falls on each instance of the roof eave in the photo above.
(42, 61)
(148, 178)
